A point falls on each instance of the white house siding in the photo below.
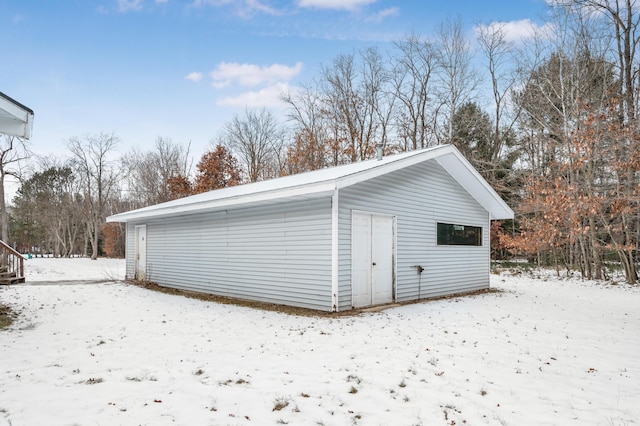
(419, 196)
(130, 251)
(280, 253)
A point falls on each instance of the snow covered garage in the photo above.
(410, 226)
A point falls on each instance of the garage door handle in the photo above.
(374, 263)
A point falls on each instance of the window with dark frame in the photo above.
(450, 234)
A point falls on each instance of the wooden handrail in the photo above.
(10, 249)
(11, 259)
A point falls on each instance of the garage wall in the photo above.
(279, 253)
(419, 196)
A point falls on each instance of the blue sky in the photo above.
(182, 68)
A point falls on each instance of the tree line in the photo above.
(551, 123)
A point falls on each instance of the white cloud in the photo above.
(334, 4)
(211, 2)
(383, 14)
(256, 5)
(517, 31)
(194, 76)
(243, 8)
(127, 5)
(267, 97)
(250, 75)
(162, 1)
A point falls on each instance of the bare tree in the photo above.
(378, 94)
(458, 80)
(311, 148)
(256, 139)
(12, 151)
(149, 173)
(412, 83)
(624, 18)
(99, 176)
(500, 64)
(356, 99)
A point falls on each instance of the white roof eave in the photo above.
(324, 182)
(172, 210)
(15, 119)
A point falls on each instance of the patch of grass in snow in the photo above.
(6, 317)
(447, 409)
(353, 389)
(239, 381)
(138, 379)
(354, 378)
(280, 403)
(93, 381)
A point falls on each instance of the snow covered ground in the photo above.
(46, 270)
(536, 352)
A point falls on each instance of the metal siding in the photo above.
(279, 253)
(419, 196)
(130, 251)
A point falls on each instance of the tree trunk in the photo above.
(94, 239)
(597, 261)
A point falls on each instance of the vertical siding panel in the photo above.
(419, 196)
(279, 253)
(130, 251)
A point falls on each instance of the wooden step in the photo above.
(11, 280)
(8, 278)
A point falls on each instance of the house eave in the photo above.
(324, 182)
(15, 118)
(297, 193)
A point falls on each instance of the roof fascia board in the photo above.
(17, 120)
(4, 97)
(14, 110)
(309, 191)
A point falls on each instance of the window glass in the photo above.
(459, 235)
